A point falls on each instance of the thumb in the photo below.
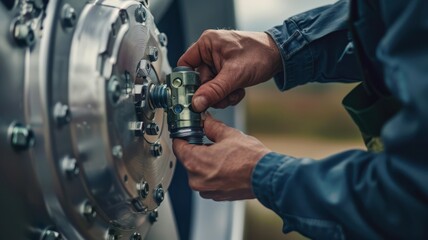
(212, 92)
(216, 130)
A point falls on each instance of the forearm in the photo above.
(355, 193)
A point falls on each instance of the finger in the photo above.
(205, 73)
(212, 92)
(182, 150)
(216, 130)
(192, 57)
(231, 100)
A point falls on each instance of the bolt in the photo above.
(145, 2)
(114, 89)
(140, 14)
(138, 206)
(117, 152)
(163, 39)
(112, 234)
(21, 137)
(128, 81)
(140, 93)
(137, 128)
(143, 189)
(69, 165)
(62, 114)
(123, 16)
(153, 216)
(152, 129)
(23, 34)
(51, 235)
(136, 236)
(153, 54)
(89, 211)
(159, 195)
(156, 149)
(177, 82)
(68, 17)
(143, 69)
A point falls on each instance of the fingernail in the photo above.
(200, 103)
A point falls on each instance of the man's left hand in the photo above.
(221, 171)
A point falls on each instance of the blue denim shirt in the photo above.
(356, 194)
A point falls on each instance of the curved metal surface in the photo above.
(91, 174)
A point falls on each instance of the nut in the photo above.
(153, 216)
(156, 149)
(62, 114)
(51, 235)
(21, 137)
(140, 14)
(159, 195)
(137, 128)
(136, 236)
(152, 129)
(163, 39)
(89, 211)
(153, 54)
(68, 18)
(70, 166)
(143, 189)
(23, 34)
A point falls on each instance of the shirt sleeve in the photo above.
(315, 47)
(358, 194)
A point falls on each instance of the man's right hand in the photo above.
(229, 61)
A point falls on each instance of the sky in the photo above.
(256, 15)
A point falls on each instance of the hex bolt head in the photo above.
(23, 34)
(138, 206)
(70, 166)
(177, 82)
(153, 216)
(68, 16)
(143, 189)
(137, 128)
(153, 54)
(163, 39)
(62, 114)
(88, 210)
(159, 195)
(117, 151)
(115, 90)
(136, 236)
(140, 14)
(21, 137)
(113, 234)
(51, 235)
(156, 149)
(152, 129)
(140, 92)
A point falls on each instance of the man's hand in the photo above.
(221, 171)
(229, 61)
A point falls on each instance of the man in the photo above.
(379, 193)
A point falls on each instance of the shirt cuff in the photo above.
(297, 60)
(265, 174)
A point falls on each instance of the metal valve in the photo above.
(176, 98)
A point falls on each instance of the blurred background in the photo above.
(308, 121)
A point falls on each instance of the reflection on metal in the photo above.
(84, 155)
(176, 98)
